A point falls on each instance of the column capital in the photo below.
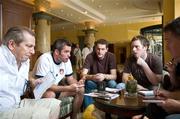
(90, 24)
(42, 15)
(89, 31)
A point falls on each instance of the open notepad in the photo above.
(103, 95)
(153, 101)
(112, 90)
(146, 93)
(48, 81)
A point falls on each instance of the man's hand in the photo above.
(100, 76)
(162, 93)
(140, 61)
(35, 82)
(170, 105)
(81, 82)
(75, 87)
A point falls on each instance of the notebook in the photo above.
(103, 95)
(146, 93)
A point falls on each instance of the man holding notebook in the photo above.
(57, 63)
(16, 48)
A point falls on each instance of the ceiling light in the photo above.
(99, 6)
(62, 10)
(117, 3)
(42, 9)
(124, 7)
(85, 12)
(92, 0)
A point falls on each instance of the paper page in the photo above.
(153, 101)
(112, 90)
(106, 95)
(147, 93)
(48, 81)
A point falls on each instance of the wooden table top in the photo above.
(124, 106)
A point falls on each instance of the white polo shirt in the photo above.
(45, 64)
(12, 80)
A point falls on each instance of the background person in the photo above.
(145, 67)
(57, 61)
(77, 53)
(85, 51)
(16, 48)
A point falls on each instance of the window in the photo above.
(154, 34)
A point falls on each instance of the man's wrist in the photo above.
(105, 76)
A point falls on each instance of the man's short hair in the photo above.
(101, 41)
(173, 27)
(17, 34)
(144, 41)
(59, 44)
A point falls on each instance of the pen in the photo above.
(159, 86)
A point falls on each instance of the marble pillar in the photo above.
(89, 34)
(43, 31)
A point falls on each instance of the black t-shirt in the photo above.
(153, 61)
(94, 65)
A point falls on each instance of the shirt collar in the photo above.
(8, 55)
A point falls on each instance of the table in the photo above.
(123, 106)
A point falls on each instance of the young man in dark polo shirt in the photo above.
(100, 65)
(145, 67)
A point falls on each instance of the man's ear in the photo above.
(11, 44)
(56, 51)
(146, 47)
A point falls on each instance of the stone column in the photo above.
(43, 31)
(90, 34)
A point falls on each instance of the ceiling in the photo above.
(100, 12)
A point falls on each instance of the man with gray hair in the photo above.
(16, 48)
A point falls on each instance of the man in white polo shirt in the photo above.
(58, 63)
(16, 48)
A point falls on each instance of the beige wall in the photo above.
(177, 6)
(70, 34)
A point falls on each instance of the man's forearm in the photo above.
(56, 88)
(110, 77)
(88, 77)
(152, 77)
